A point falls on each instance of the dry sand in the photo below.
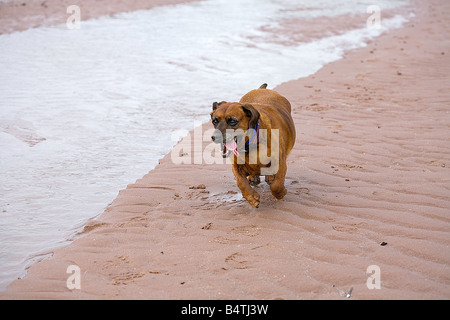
(371, 164)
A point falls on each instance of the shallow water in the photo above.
(85, 112)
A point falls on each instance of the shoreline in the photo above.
(355, 179)
(19, 16)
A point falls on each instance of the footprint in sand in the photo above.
(237, 261)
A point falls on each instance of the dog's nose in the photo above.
(217, 136)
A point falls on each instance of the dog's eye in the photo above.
(215, 121)
(232, 122)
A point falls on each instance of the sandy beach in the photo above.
(368, 189)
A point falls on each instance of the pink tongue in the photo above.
(231, 145)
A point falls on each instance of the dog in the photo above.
(260, 133)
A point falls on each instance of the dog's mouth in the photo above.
(230, 147)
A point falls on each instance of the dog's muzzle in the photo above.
(227, 142)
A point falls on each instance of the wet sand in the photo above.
(368, 185)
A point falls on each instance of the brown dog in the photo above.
(260, 132)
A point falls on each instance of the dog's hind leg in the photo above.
(269, 179)
(277, 183)
(254, 180)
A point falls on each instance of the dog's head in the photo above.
(232, 121)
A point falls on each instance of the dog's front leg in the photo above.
(244, 185)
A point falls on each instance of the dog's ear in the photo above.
(216, 104)
(251, 113)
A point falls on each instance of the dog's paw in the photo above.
(279, 193)
(254, 180)
(269, 179)
(253, 199)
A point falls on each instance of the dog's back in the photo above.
(277, 108)
(266, 97)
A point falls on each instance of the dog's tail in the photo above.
(263, 86)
